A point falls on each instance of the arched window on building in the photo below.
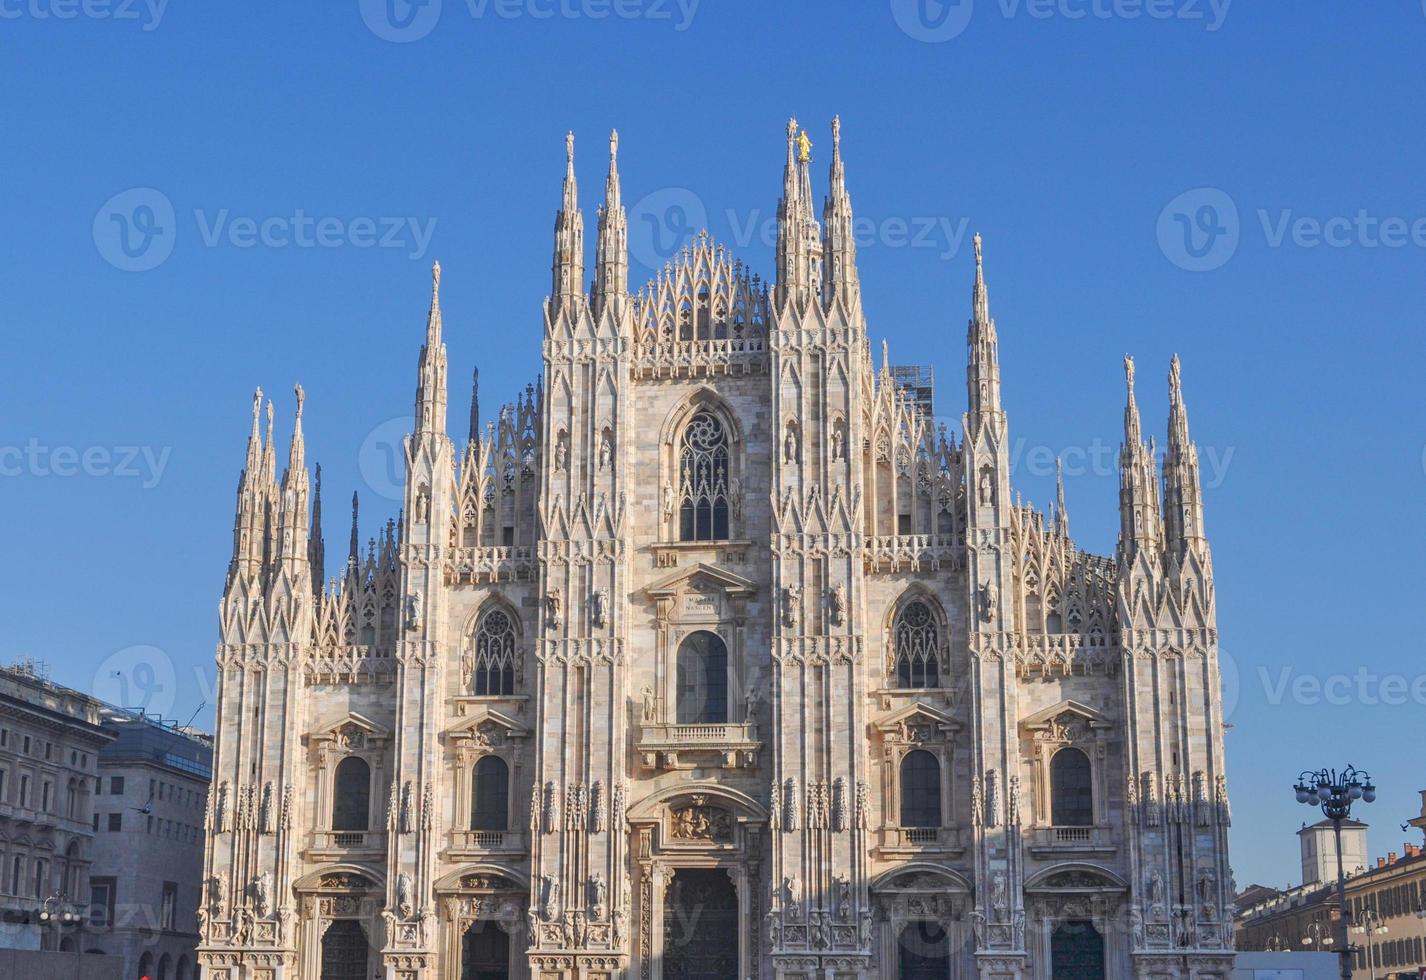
(702, 680)
(351, 795)
(490, 795)
(914, 637)
(703, 479)
(920, 789)
(495, 654)
(1071, 789)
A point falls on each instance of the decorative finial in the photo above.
(257, 407)
(301, 397)
(269, 421)
(569, 147)
(613, 145)
(836, 132)
(1175, 379)
(436, 274)
(1129, 371)
(792, 129)
(979, 257)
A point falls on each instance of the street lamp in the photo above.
(1315, 935)
(1371, 925)
(57, 912)
(1335, 792)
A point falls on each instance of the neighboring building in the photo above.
(50, 740)
(1386, 905)
(148, 850)
(1318, 846)
(715, 658)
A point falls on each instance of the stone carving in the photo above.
(842, 888)
(791, 600)
(989, 602)
(650, 703)
(403, 894)
(668, 501)
(553, 603)
(598, 892)
(789, 817)
(617, 806)
(415, 610)
(596, 807)
(839, 441)
(264, 825)
(999, 895)
(863, 807)
(791, 894)
(1155, 894)
(1208, 894)
(700, 822)
(407, 803)
(839, 804)
(992, 800)
(262, 894)
(837, 605)
(549, 897)
(790, 444)
(552, 807)
(599, 608)
(606, 450)
(220, 810)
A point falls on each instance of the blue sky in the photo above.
(1238, 183)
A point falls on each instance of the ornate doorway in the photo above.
(344, 951)
(924, 950)
(700, 926)
(485, 952)
(1077, 951)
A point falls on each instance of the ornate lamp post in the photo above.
(59, 913)
(1335, 792)
(1370, 925)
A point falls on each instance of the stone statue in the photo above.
(789, 444)
(606, 451)
(598, 892)
(264, 824)
(791, 893)
(599, 607)
(791, 599)
(987, 490)
(549, 897)
(262, 894)
(423, 506)
(750, 703)
(999, 895)
(220, 807)
(838, 444)
(837, 604)
(650, 703)
(667, 501)
(553, 602)
(1156, 893)
(415, 606)
(844, 897)
(561, 451)
(403, 893)
(988, 601)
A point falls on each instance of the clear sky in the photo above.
(1239, 183)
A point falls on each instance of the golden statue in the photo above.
(804, 148)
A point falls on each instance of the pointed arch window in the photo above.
(490, 795)
(495, 654)
(703, 479)
(915, 638)
(920, 789)
(351, 795)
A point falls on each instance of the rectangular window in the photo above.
(116, 822)
(101, 902)
(903, 524)
(3, 774)
(24, 790)
(42, 873)
(116, 785)
(170, 903)
(46, 797)
(17, 868)
(27, 745)
(96, 821)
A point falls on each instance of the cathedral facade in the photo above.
(713, 658)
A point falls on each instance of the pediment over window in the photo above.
(918, 722)
(1066, 721)
(352, 732)
(1075, 877)
(701, 577)
(487, 728)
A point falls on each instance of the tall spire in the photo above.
(799, 244)
(1138, 479)
(316, 546)
(431, 381)
(839, 246)
(568, 267)
(1061, 513)
(1183, 492)
(983, 347)
(475, 406)
(611, 261)
(292, 521)
(250, 518)
(354, 546)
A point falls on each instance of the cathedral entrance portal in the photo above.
(344, 951)
(924, 952)
(1076, 951)
(700, 926)
(485, 953)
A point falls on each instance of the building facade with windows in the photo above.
(152, 794)
(713, 656)
(50, 740)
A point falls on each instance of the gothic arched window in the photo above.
(490, 795)
(914, 636)
(920, 789)
(351, 795)
(1071, 789)
(702, 680)
(495, 654)
(703, 479)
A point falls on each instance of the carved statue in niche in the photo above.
(415, 606)
(650, 702)
(839, 442)
(668, 501)
(549, 897)
(999, 895)
(1156, 894)
(837, 604)
(1207, 893)
(423, 505)
(561, 450)
(791, 599)
(606, 450)
(599, 607)
(989, 600)
(553, 603)
(220, 810)
(987, 487)
(843, 891)
(262, 894)
(403, 894)
(750, 703)
(791, 893)
(598, 892)
(789, 444)
(406, 807)
(596, 807)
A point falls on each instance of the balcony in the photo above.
(731, 746)
(909, 552)
(1062, 841)
(343, 843)
(924, 841)
(486, 843)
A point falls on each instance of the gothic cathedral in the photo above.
(714, 658)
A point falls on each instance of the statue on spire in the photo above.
(1129, 370)
(613, 145)
(1175, 378)
(569, 147)
(301, 398)
(804, 148)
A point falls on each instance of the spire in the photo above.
(316, 546)
(475, 406)
(354, 547)
(249, 519)
(1138, 479)
(839, 246)
(1183, 492)
(983, 354)
(431, 379)
(1061, 513)
(799, 245)
(568, 268)
(611, 273)
(293, 529)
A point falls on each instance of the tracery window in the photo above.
(495, 654)
(914, 637)
(703, 479)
